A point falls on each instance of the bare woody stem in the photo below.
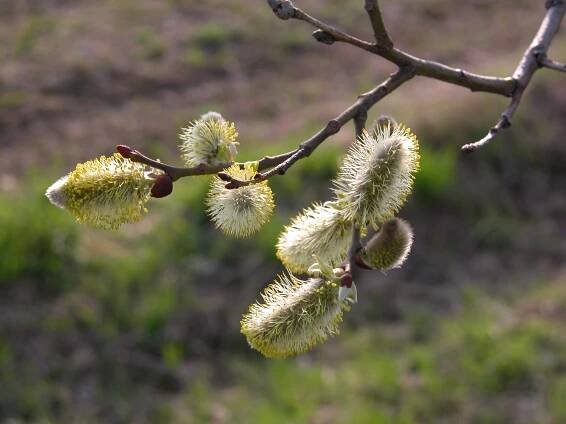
(409, 66)
(513, 86)
(355, 247)
(374, 12)
(357, 110)
(544, 61)
(173, 171)
(176, 172)
(503, 86)
(524, 72)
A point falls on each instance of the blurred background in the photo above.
(142, 325)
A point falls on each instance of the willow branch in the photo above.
(173, 171)
(380, 32)
(524, 72)
(285, 9)
(514, 87)
(360, 122)
(409, 66)
(545, 62)
(359, 108)
(176, 172)
(355, 247)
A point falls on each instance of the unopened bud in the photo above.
(224, 176)
(346, 280)
(125, 151)
(162, 187)
(390, 247)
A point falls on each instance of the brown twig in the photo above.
(545, 62)
(176, 172)
(355, 247)
(380, 32)
(409, 66)
(361, 106)
(173, 171)
(511, 86)
(524, 72)
(360, 123)
(285, 9)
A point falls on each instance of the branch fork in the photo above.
(409, 66)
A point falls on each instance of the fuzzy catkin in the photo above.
(104, 193)
(390, 247)
(377, 175)
(294, 316)
(320, 230)
(242, 211)
(210, 140)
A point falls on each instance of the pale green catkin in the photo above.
(377, 175)
(211, 140)
(319, 230)
(242, 211)
(294, 316)
(390, 247)
(104, 193)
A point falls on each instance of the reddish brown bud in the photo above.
(162, 187)
(125, 151)
(346, 280)
(231, 185)
(361, 263)
(224, 176)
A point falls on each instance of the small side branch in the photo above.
(176, 172)
(545, 62)
(360, 123)
(524, 72)
(359, 108)
(374, 12)
(173, 171)
(409, 66)
(328, 34)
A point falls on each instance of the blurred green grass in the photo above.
(467, 370)
(152, 289)
(142, 325)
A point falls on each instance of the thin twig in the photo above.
(374, 12)
(285, 9)
(362, 105)
(360, 123)
(173, 171)
(551, 64)
(528, 65)
(176, 172)
(409, 66)
(355, 247)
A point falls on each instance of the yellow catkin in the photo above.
(377, 174)
(390, 247)
(104, 193)
(319, 230)
(294, 316)
(242, 211)
(210, 140)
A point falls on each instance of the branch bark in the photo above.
(545, 62)
(524, 72)
(514, 87)
(423, 67)
(361, 106)
(409, 66)
(173, 171)
(380, 32)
